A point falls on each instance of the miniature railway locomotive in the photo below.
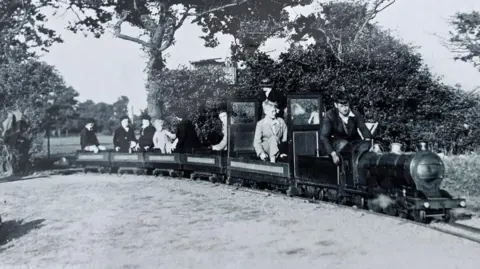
(410, 181)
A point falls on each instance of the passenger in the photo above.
(162, 139)
(186, 135)
(124, 139)
(147, 131)
(88, 138)
(314, 118)
(270, 134)
(272, 95)
(223, 144)
(340, 127)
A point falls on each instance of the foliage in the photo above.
(386, 78)
(197, 93)
(159, 21)
(250, 24)
(465, 37)
(31, 88)
(22, 28)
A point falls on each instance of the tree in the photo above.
(63, 109)
(465, 37)
(198, 93)
(22, 28)
(250, 24)
(30, 87)
(158, 19)
(386, 77)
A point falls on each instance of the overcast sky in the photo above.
(103, 69)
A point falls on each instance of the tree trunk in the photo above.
(155, 100)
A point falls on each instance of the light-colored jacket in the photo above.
(162, 140)
(267, 128)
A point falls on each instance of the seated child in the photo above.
(162, 138)
(88, 138)
(270, 133)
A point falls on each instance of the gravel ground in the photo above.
(103, 221)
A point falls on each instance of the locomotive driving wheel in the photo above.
(420, 216)
(321, 195)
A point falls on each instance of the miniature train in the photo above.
(410, 180)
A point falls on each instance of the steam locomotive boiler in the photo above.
(411, 179)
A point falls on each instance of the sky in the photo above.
(106, 68)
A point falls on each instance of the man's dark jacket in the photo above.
(187, 137)
(333, 126)
(273, 96)
(122, 138)
(146, 137)
(88, 138)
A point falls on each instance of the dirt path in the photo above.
(106, 222)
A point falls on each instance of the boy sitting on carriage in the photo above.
(270, 134)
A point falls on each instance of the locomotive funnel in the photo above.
(396, 148)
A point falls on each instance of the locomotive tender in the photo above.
(409, 181)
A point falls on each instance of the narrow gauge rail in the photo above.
(458, 226)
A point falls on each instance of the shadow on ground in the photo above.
(19, 178)
(14, 229)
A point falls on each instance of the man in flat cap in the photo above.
(124, 139)
(147, 131)
(88, 138)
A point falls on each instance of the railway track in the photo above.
(455, 229)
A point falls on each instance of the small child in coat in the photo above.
(162, 138)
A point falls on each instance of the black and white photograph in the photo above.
(237, 134)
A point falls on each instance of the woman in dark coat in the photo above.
(124, 138)
(186, 135)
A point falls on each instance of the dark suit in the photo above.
(146, 137)
(334, 126)
(273, 96)
(187, 137)
(122, 138)
(88, 138)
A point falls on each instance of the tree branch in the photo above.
(118, 32)
(373, 13)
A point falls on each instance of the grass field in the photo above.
(462, 171)
(69, 145)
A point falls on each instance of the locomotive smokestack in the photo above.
(422, 146)
(396, 148)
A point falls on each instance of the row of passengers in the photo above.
(339, 127)
(154, 137)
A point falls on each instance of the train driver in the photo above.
(88, 138)
(222, 145)
(270, 134)
(340, 127)
(124, 139)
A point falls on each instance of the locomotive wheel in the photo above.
(291, 191)
(420, 216)
(391, 210)
(229, 181)
(447, 217)
(120, 171)
(193, 176)
(101, 170)
(156, 172)
(321, 195)
(213, 179)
